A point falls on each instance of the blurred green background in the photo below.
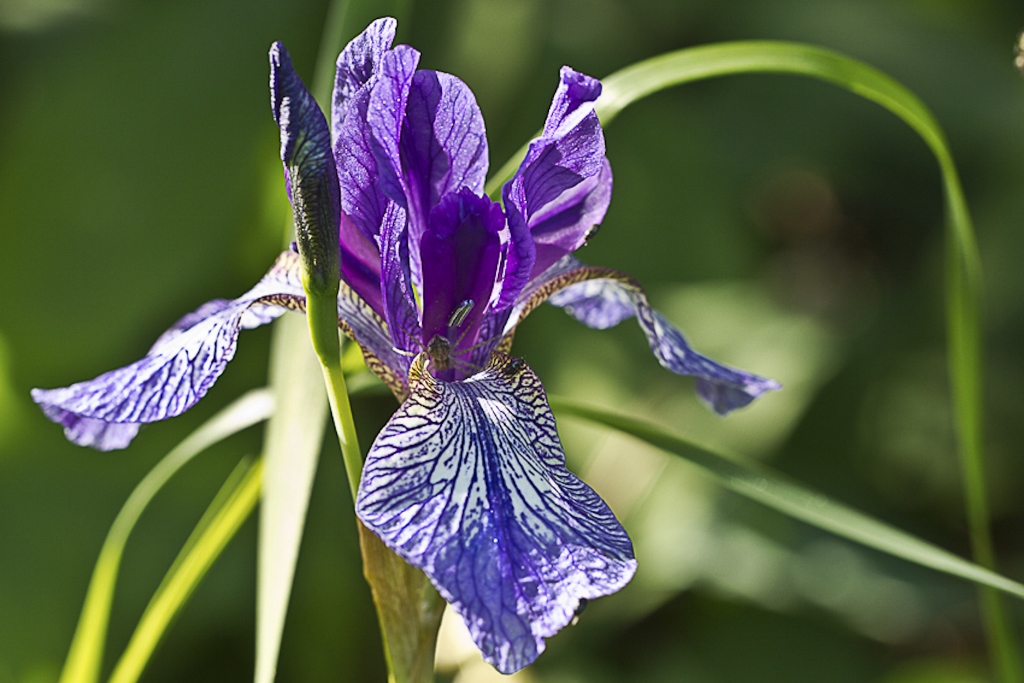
(788, 227)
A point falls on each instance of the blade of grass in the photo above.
(232, 506)
(963, 279)
(294, 437)
(85, 655)
(758, 482)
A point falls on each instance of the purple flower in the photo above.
(467, 480)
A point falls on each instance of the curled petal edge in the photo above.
(602, 297)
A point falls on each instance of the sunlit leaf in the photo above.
(232, 506)
(294, 437)
(759, 482)
(85, 657)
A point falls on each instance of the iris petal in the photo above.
(187, 359)
(357, 64)
(429, 140)
(563, 186)
(461, 253)
(468, 482)
(601, 298)
(179, 369)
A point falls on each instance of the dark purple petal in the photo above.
(360, 263)
(467, 481)
(309, 167)
(601, 298)
(522, 255)
(179, 369)
(396, 286)
(566, 223)
(357, 64)
(573, 101)
(563, 186)
(444, 143)
(461, 252)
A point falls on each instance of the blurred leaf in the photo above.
(85, 656)
(231, 507)
(294, 437)
(761, 483)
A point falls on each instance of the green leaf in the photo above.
(293, 440)
(85, 656)
(758, 482)
(231, 507)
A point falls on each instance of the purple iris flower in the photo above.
(467, 481)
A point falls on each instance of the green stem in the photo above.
(322, 313)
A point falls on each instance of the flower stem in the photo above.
(322, 314)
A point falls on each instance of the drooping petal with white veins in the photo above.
(468, 482)
(602, 298)
(184, 363)
(178, 370)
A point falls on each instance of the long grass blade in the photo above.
(85, 656)
(231, 507)
(758, 482)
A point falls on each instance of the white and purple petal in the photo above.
(468, 482)
(105, 412)
(178, 370)
(602, 298)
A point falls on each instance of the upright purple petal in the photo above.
(444, 142)
(430, 140)
(573, 102)
(179, 369)
(461, 252)
(468, 482)
(309, 167)
(363, 198)
(385, 116)
(563, 186)
(357, 64)
(360, 263)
